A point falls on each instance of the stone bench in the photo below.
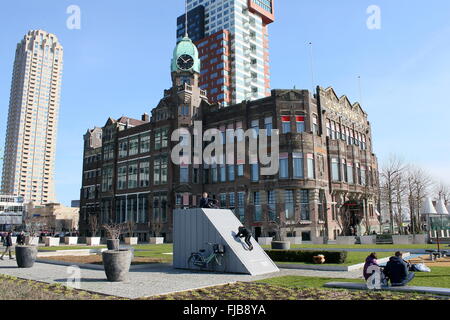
(407, 289)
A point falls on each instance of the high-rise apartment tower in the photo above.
(30, 144)
(233, 43)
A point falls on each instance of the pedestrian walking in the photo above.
(8, 245)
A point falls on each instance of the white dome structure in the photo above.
(428, 207)
(440, 207)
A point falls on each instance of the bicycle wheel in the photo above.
(193, 262)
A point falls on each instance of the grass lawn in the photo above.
(12, 288)
(266, 291)
(439, 277)
(155, 251)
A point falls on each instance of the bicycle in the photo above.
(199, 259)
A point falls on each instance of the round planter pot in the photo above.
(113, 244)
(281, 245)
(117, 264)
(26, 256)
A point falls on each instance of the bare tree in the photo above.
(130, 225)
(113, 230)
(399, 193)
(93, 224)
(419, 183)
(156, 226)
(389, 176)
(33, 226)
(443, 192)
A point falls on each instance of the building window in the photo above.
(145, 143)
(232, 200)
(132, 175)
(241, 206)
(255, 172)
(214, 173)
(223, 200)
(257, 204)
(289, 204)
(363, 176)
(123, 149)
(184, 174)
(286, 124)
(160, 170)
(298, 166)
(310, 166)
(284, 166)
(335, 176)
(143, 208)
(132, 208)
(350, 177)
(223, 173)
(271, 205)
(240, 170)
(315, 125)
(122, 178)
(300, 124)
(144, 174)
(107, 179)
(134, 146)
(304, 205)
(231, 173)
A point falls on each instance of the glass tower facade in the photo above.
(238, 69)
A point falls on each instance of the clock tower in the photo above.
(185, 70)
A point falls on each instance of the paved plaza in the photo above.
(149, 280)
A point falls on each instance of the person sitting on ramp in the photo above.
(244, 233)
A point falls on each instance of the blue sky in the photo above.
(118, 64)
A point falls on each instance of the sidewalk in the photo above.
(149, 281)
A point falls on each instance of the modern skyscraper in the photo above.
(30, 144)
(233, 43)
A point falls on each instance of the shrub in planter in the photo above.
(114, 230)
(117, 264)
(26, 256)
(333, 257)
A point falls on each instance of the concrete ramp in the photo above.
(194, 228)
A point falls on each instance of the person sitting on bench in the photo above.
(371, 260)
(397, 270)
(244, 233)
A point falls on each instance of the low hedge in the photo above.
(334, 257)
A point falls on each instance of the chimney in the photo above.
(145, 117)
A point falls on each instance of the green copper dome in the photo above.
(185, 47)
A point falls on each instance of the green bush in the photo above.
(334, 257)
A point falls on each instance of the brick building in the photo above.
(327, 165)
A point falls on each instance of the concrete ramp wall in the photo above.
(194, 228)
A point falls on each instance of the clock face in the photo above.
(185, 62)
